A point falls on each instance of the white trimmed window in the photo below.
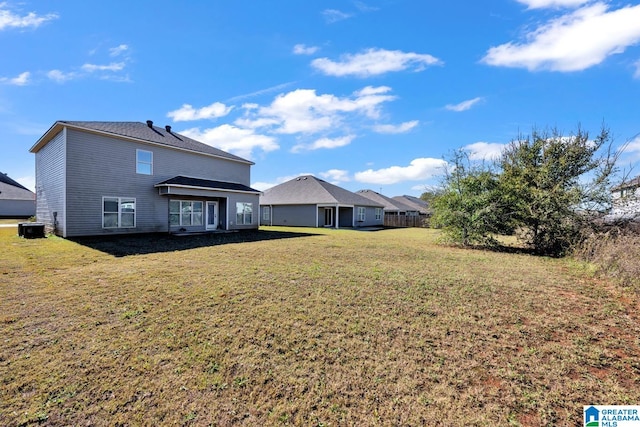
(361, 213)
(266, 213)
(118, 212)
(378, 214)
(144, 162)
(185, 212)
(244, 213)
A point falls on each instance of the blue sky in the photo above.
(364, 94)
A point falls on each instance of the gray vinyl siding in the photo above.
(17, 208)
(50, 185)
(99, 166)
(243, 198)
(313, 216)
(369, 217)
(294, 215)
(345, 217)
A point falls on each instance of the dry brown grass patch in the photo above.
(331, 328)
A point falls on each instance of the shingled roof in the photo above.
(416, 202)
(185, 181)
(12, 190)
(390, 205)
(145, 132)
(309, 190)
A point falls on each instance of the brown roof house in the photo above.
(307, 201)
(16, 201)
(101, 178)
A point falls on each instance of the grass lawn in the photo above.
(305, 327)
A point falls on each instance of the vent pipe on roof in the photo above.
(168, 128)
(150, 123)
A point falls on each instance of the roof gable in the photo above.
(139, 132)
(309, 190)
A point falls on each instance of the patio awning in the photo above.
(197, 186)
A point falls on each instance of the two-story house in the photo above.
(101, 178)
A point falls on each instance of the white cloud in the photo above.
(464, 105)
(572, 42)
(418, 169)
(9, 19)
(257, 123)
(335, 15)
(229, 138)
(363, 7)
(301, 49)
(373, 62)
(188, 113)
(114, 66)
(60, 76)
(336, 176)
(541, 4)
(303, 111)
(633, 147)
(21, 80)
(394, 129)
(118, 50)
(484, 150)
(321, 143)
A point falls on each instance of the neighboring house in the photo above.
(308, 201)
(417, 203)
(101, 178)
(625, 200)
(396, 212)
(16, 201)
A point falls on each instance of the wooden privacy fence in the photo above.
(406, 221)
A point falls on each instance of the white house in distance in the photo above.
(102, 178)
(626, 201)
(16, 201)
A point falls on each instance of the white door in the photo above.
(212, 215)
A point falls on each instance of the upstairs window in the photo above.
(144, 162)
